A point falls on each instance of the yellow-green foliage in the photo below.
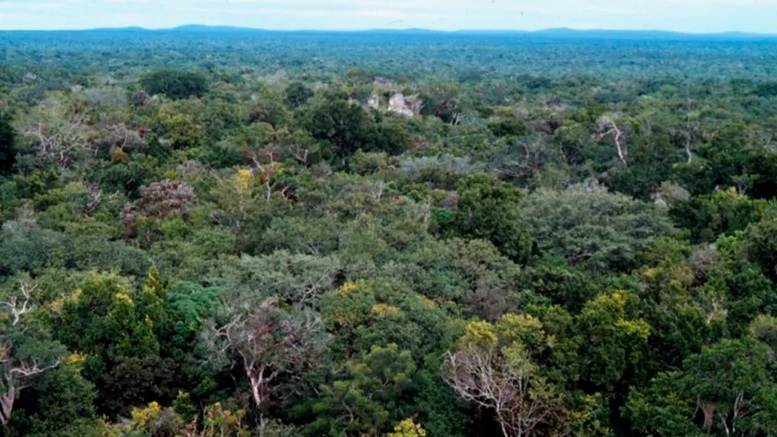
(223, 422)
(408, 428)
(523, 328)
(479, 334)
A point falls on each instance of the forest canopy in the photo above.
(236, 233)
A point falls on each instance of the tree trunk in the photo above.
(257, 387)
(6, 406)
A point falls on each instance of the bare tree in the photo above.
(505, 382)
(17, 370)
(15, 374)
(272, 346)
(528, 163)
(58, 129)
(607, 126)
(687, 142)
(120, 136)
(300, 153)
(20, 307)
(95, 198)
(59, 143)
(265, 170)
(164, 198)
(687, 136)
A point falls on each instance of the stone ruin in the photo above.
(409, 106)
(374, 101)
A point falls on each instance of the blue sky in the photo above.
(680, 15)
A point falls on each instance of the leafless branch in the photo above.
(20, 307)
(484, 378)
(608, 127)
(13, 380)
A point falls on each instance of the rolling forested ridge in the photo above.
(225, 232)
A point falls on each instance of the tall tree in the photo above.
(25, 350)
(498, 375)
(273, 347)
(489, 209)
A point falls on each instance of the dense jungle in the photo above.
(229, 232)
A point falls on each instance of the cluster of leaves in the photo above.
(235, 250)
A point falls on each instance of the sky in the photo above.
(698, 16)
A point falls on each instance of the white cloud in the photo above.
(686, 15)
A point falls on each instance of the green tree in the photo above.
(726, 389)
(347, 128)
(297, 94)
(471, 273)
(616, 339)
(7, 144)
(722, 212)
(295, 279)
(733, 386)
(592, 228)
(370, 397)
(63, 404)
(102, 321)
(662, 408)
(153, 297)
(744, 291)
(489, 209)
(760, 240)
(340, 123)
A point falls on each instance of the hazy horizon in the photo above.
(216, 27)
(688, 16)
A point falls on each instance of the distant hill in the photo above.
(118, 29)
(556, 33)
(641, 34)
(214, 29)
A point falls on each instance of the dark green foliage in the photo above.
(748, 294)
(102, 320)
(63, 403)
(726, 386)
(560, 283)
(732, 158)
(297, 94)
(175, 84)
(440, 411)
(660, 410)
(489, 209)
(369, 398)
(767, 89)
(346, 128)
(341, 124)
(134, 381)
(722, 212)
(508, 127)
(7, 144)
